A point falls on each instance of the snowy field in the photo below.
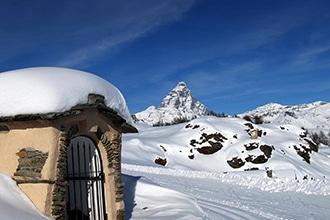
(217, 196)
(207, 188)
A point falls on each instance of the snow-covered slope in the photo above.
(179, 104)
(145, 199)
(279, 175)
(226, 145)
(313, 116)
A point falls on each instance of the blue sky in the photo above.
(234, 55)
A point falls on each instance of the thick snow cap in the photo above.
(44, 90)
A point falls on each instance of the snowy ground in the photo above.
(205, 187)
(221, 196)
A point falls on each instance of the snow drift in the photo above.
(14, 204)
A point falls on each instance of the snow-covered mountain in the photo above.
(314, 116)
(178, 105)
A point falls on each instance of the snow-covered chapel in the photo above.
(60, 140)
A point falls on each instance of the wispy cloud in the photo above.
(310, 54)
(137, 20)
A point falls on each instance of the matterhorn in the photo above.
(177, 106)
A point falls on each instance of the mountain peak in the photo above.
(178, 104)
(178, 97)
(181, 84)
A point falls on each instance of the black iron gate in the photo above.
(85, 193)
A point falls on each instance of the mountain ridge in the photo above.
(313, 116)
(179, 105)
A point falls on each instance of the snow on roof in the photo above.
(42, 90)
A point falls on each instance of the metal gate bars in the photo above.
(85, 193)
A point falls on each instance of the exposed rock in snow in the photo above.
(178, 105)
(43, 90)
(222, 145)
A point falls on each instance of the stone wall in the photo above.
(60, 186)
(113, 148)
(30, 163)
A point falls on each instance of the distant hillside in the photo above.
(314, 116)
(178, 105)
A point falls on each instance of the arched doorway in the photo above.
(85, 192)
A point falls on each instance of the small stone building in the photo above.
(67, 162)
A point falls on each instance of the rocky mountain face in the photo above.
(177, 106)
(313, 116)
